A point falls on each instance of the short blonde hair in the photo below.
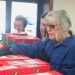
(61, 16)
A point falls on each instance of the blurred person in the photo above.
(20, 23)
(43, 32)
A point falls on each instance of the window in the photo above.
(2, 16)
(28, 10)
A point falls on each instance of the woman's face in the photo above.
(19, 26)
(54, 30)
(42, 27)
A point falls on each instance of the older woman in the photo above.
(58, 50)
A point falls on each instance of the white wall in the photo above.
(69, 6)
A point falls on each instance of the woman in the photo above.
(43, 32)
(20, 24)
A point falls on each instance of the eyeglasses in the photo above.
(51, 26)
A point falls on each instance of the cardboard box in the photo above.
(23, 67)
(12, 39)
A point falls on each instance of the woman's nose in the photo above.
(49, 29)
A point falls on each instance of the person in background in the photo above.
(43, 32)
(58, 50)
(20, 23)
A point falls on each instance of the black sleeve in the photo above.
(5, 51)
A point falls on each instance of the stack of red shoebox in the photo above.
(20, 38)
(22, 65)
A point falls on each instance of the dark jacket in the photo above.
(60, 57)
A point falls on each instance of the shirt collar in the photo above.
(66, 42)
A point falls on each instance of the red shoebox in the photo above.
(54, 72)
(14, 57)
(20, 38)
(23, 67)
